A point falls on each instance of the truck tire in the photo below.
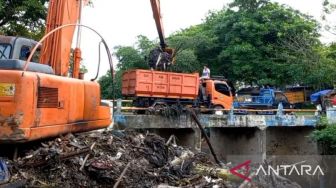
(217, 110)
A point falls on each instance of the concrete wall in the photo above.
(234, 137)
(236, 121)
(290, 141)
(252, 143)
(279, 139)
(239, 144)
(331, 115)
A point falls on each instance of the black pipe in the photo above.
(193, 115)
(99, 59)
(111, 69)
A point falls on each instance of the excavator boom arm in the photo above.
(158, 21)
(56, 48)
(160, 58)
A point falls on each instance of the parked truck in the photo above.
(149, 88)
(266, 99)
(326, 98)
(298, 95)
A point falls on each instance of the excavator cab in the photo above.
(17, 48)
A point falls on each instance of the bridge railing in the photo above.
(125, 105)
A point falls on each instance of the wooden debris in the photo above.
(122, 175)
(87, 156)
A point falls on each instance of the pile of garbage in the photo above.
(159, 59)
(112, 158)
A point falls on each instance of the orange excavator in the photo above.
(45, 99)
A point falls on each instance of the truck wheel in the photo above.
(218, 110)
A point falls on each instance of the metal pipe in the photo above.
(79, 30)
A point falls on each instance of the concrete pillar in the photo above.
(186, 137)
(238, 144)
(331, 115)
(290, 141)
(292, 145)
(119, 105)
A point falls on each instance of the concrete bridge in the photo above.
(234, 137)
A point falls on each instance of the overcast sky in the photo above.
(120, 21)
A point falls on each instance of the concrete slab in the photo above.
(234, 137)
(185, 121)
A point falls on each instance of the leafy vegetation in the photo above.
(326, 138)
(329, 11)
(263, 43)
(23, 18)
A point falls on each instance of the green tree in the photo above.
(106, 85)
(186, 61)
(23, 18)
(325, 135)
(201, 41)
(144, 46)
(129, 57)
(254, 41)
(322, 74)
(329, 7)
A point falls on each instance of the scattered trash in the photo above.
(107, 159)
(100, 158)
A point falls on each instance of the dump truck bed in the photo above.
(149, 83)
(295, 97)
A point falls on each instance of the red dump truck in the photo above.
(148, 88)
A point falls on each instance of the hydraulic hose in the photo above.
(99, 59)
(76, 25)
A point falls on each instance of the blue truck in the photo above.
(266, 99)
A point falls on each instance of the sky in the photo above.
(120, 21)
